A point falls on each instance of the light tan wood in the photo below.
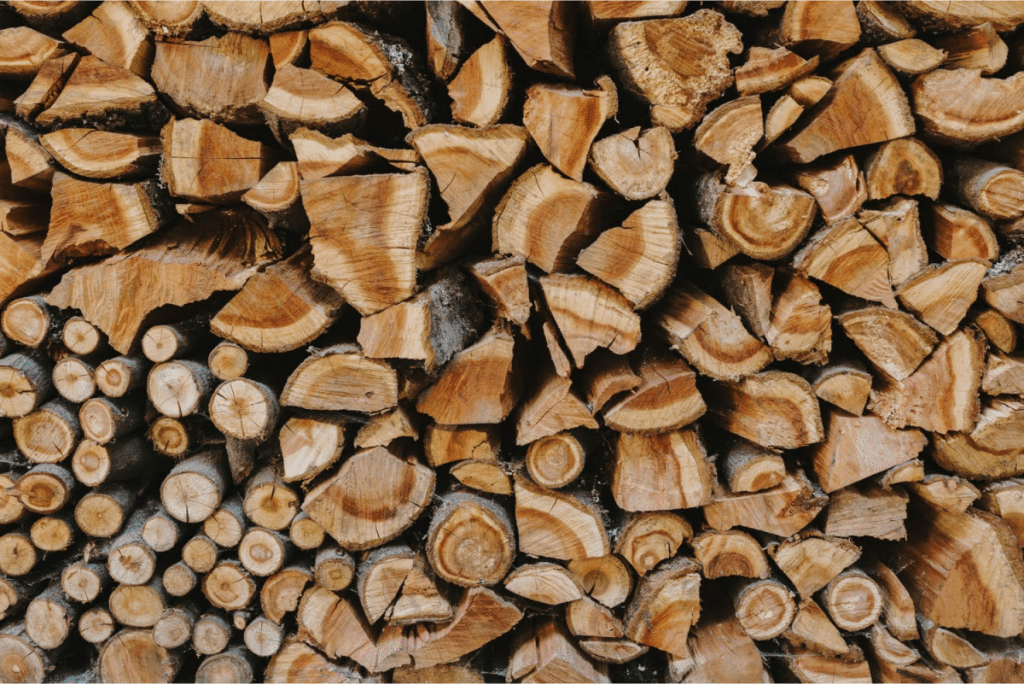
(341, 378)
(542, 34)
(84, 582)
(783, 510)
(46, 488)
(104, 420)
(905, 166)
(911, 56)
(334, 569)
(867, 511)
(811, 628)
(542, 651)
(665, 606)
(480, 91)
(730, 553)
(547, 583)
(661, 472)
(138, 605)
(636, 164)
(856, 447)
(764, 607)
(97, 90)
(281, 592)
(852, 600)
(565, 120)
(556, 460)
(310, 444)
(200, 554)
(116, 377)
(750, 468)
(300, 98)
(96, 625)
(268, 501)
(606, 579)
(228, 586)
(557, 525)
(132, 655)
(179, 579)
(551, 407)
(649, 538)
(952, 120)
(211, 634)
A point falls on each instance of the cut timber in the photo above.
(946, 491)
(116, 377)
(764, 607)
(865, 105)
(29, 321)
(556, 525)
(942, 394)
(52, 533)
(194, 488)
(781, 117)
(763, 221)
(179, 388)
(894, 341)
(244, 409)
(445, 38)
(385, 428)
(665, 399)
(268, 501)
(564, 121)
(720, 651)
(17, 554)
(191, 73)
(941, 295)
(664, 607)
(21, 268)
(206, 162)
(992, 112)
(174, 19)
(319, 156)
(114, 34)
(552, 407)
(556, 460)
(261, 18)
(235, 664)
(162, 532)
(542, 651)
(31, 166)
(200, 554)
(373, 498)
(185, 264)
(590, 315)
(954, 15)
(607, 375)
(747, 467)
(991, 189)
(731, 553)
(708, 335)
(637, 165)
(768, 70)
(104, 96)
(999, 330)
(90, 219)
(677, 66)
(586, 617)
(228, 586)
(548, 218)
(309, 444)
(542, 33)
(94, 464)
(949, 648)
(46, 86)
(848, 257)
(783, 510)
(1004, 374)
(211, 634)
(979, 47)
(844, 385)
(96, 625)
(811, 561)
(383, 65)
(297, 662)
(25, 51)
(837, 185)
(980, 567)
(263, 552)
(989, 451)
(806, 665)
(639, 258)
(896, 224)
(46, 488)
(957, 233)
(276, 196)
(728, 135)
(138, 605)
(281, 592)
(661, 472)
(340, 378)
(470, 542)
(472, 168)
(546, 583)
(305, 98)
(363, 247)
(903, 167)
(480, 91)
(822, 28)
(486, 476)
(911, 56)
(649, 538)
(856, 447)
(448, 444)
(773, 409)
(334, 568)
(867, 511)
(263, 638)
(227, 361)
(478, 386)
(504, 280)
(853, 601)
(812, 628)
(50, 434)
(131, 655)
(25, 384)
(1003, 286)
(82, 337)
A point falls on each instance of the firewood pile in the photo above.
(511, 341)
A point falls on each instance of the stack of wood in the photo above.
(535, 341)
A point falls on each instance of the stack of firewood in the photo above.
(524, 341)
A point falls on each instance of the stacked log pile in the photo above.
(523, 341)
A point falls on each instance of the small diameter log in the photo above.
(952, 121)
(194, 488)
(263, 552)
(556, 460)
(228, 361)
(17, 554)
(179, 579)
(281, 592)
(162, 532)
(853, 600)
(179, 388)
(200, 554)
(174, 628)
(51, 533)
(911, 56)
(16, 593)
(30, 321)
(20, 659)
(649, 538)
(118, 376)
(96, 625)
(991, 189)
(138, 605)
(586, 617)
(11, 508)
(666, 604)
(130, 559)
(268, 501)
(25, 384)
(637, 165)
(956, 233)
(751, 468)
(101, 155)
(104, 420)
(949, 648)
(381, 577)
(177, 437)
(903, 167)
(211, 634)
(661, 472)
(605, 578)
(764, 607)
(310, 444)
(665, 399)
(85, 581)
(480, 91)
(556, 525)
(244, 409)
(401, 491)
(228, 524)
(94, 464)
(49, 434)
(228, 586)
(334, 568)
(50, 617)
(162, 343)
(131, 655)
(471, 541)
(46, 488)
(730, 553)
(74, 379)
(263, 637)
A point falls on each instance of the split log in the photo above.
(856, 447)
(542, 34)
(812, 560)
(987, 451)
(590, 315)
(772, 409)
(545, 583)
(911, 56)
(281, 592)
(849, 258)
(664, 607)
(310, 444)
(480, 91)
(1002, 287)
(51, 78)
(543, 651)
(903, 167)
(896, 224)
(731, 553)
(957, 233)
(991, 113)
(341, 378)
(103, 155)
(303, 98)
(661, 472)
(26, 52)
(750, 468)
(606, 579)
(374, 497)
(637, 165)
(893, 341)
(666, 397)
(783, 510)
(31, 165)
(295, 661)
(551, 408)
(720, 650)
(1004, 499)
(945, 491)
(105, 96)
(991, 189)
(666, 77)
(557, 525)
(445, 39)
(811, 628)
(868, 511)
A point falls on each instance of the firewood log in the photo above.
(194, 488)
(665, 606)
(281, 592)
(138, 605)
(228, 586)
(268, 502)
(263, 638)
(305, 98)
(606, 578)
(174, 628)
(200, 554)
(811, 628)
(46, 488)
(17, 554)
(85, 582)
(445, 38)
(783, 510)
(296, 661)
(334, 568)
(812, 560)
(894, 341)
(545, 583)
(903, 167)
(649, 538)
(868, 511)
(162, 532)
(661, 472)
(32, 51)
(132, 655)
(96, 625)
(849, 258)
(730, 553)
(821, 29)
(263, 552)
(46, 85)
(211, 634)
(480, 90)
(98, 94)
(1004, 499)
(179, 579)
(50, 434)
(26, 383)
(542, 650)
(31, 166)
